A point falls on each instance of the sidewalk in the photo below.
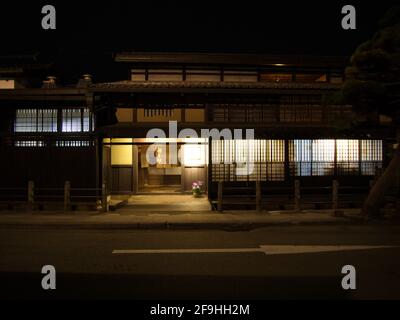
(228, 220)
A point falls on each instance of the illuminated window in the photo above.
(7, 84)
(36, 120)
(347, 153)
(76, 120)
(264, 160)
(312, 157)
(371, 156)
(194, 155)
(77, 143)
(86, 121)
(248, 160)
(318, 157)
(301, 155)
(275, 159)
(29, 143)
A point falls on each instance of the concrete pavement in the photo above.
(241, 220)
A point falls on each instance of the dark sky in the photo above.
(89, 31)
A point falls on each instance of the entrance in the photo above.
(155, 166)
(162, 176)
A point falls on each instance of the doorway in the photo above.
(161, 175)
(154, 166)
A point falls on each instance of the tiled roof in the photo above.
(127, 85)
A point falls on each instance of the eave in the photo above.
(209, 87)
(274, 129)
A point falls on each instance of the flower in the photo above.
(197, 184)
(196, 188)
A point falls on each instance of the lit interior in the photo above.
(194, 155)
(121, 154)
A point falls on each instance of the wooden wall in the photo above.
(191, 174)
(122, 179)
(48, 166)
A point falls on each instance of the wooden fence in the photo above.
(297, 196)
(33, 197)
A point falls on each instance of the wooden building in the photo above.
(96, 135)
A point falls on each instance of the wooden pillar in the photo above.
(335, 200)
(104, 198)
(220, 195)
(67, 196)
(31, 195)
(335, 195)
(207, 113)
(183, 114)
(209, 169)
(134, 115)
(258, 196)
(297, 196)
(287, 160)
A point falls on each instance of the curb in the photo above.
(234, 226)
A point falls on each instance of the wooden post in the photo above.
(104, 198)
(258, 196)
(67, 196)
(31, 195)
(297, 196)
(220, 195)
(335, 195)
(335, 200)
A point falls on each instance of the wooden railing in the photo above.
(296, 195)
(32, 197)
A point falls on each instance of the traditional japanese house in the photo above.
(101, 136)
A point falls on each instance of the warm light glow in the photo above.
(253, 160)
(347, 150)
(323, 150)
(7, 84)
(170, 140)
(159, 156)
(121, 154)
(194, 155)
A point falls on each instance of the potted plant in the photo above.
(196, 188)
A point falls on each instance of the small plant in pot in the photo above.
(196, 188)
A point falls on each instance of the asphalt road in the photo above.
(87, 267)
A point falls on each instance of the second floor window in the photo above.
(36, 120)
(49, 120)
(76, 120)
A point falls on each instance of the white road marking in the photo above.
(266, 249)
(227, 250)
(295, 249)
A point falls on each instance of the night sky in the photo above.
(88, 32)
